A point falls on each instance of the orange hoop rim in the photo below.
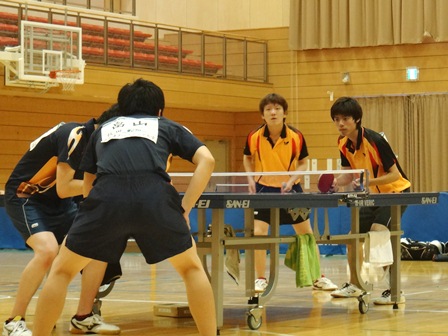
(54, 73)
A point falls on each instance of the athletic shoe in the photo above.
(347, 290)
(16, 327)
(260, 285)
(324, 284)
(385, 298)
(93, 325)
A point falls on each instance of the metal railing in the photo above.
(120, 40)
(112, 6)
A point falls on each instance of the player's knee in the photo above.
(378, 227)
(45, 257)
(189, 269)
(261, 228)
(303, 227)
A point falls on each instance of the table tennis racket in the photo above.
(325, 182)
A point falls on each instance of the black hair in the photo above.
(273, 98)
(348, 107)
(141, 97)
(113, 111)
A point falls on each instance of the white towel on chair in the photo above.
(378, 249)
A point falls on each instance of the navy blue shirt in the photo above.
(35, 174)
(147, 145)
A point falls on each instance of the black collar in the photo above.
(266, 132)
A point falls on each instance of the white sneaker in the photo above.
(324, 284)
(260, 285)
(385, 298)
(93, 325)
(347, 290)
(16, 327)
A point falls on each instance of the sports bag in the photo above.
(417, 250)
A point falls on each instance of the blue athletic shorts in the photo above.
(147, 208)
(287, 215)
(30, 217)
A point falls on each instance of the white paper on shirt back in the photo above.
(124, 127)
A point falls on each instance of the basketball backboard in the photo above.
(44, 48)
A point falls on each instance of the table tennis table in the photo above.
(216, 243)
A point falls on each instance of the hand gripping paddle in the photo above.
(325, 182)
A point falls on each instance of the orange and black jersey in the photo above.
(35, 174)
(373, 153)
(280, 156)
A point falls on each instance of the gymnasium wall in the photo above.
(308, 79)
(204, 105)
(227, 110)
(214, 15)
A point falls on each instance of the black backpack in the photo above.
(418, 250)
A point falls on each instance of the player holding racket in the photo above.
(277, 146)
(363, 148)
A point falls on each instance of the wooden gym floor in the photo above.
(292, 311)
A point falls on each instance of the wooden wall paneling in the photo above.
(24, 119)
(244, 123)
(204, 105)
(365, 71)
(318, 128)
(187, 91)
(206, 125)
(204, 116)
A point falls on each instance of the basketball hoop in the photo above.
(66, 77)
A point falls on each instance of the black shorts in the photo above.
(375, 215)
(287, 215)
(30, 217)
(146, 208)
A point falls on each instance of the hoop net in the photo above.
(66, 77)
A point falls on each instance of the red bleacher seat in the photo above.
(6, 17)
(92, 53)
(8, 29)
(97, 30)
(121, 44)
(12, 18)
(36, 19)
(92, 40)
(118, 43)
(6, 41)
(65, 23)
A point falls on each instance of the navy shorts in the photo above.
(30, 217)
(287, 215)
(147, 208)
(375, 215)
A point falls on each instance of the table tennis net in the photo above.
(237, 182)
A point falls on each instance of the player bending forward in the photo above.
(128, 193)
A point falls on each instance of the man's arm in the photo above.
(205, 163)
(87, 183)
(66, 184)
(391, 176)
(301, 166)
(344, 179)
